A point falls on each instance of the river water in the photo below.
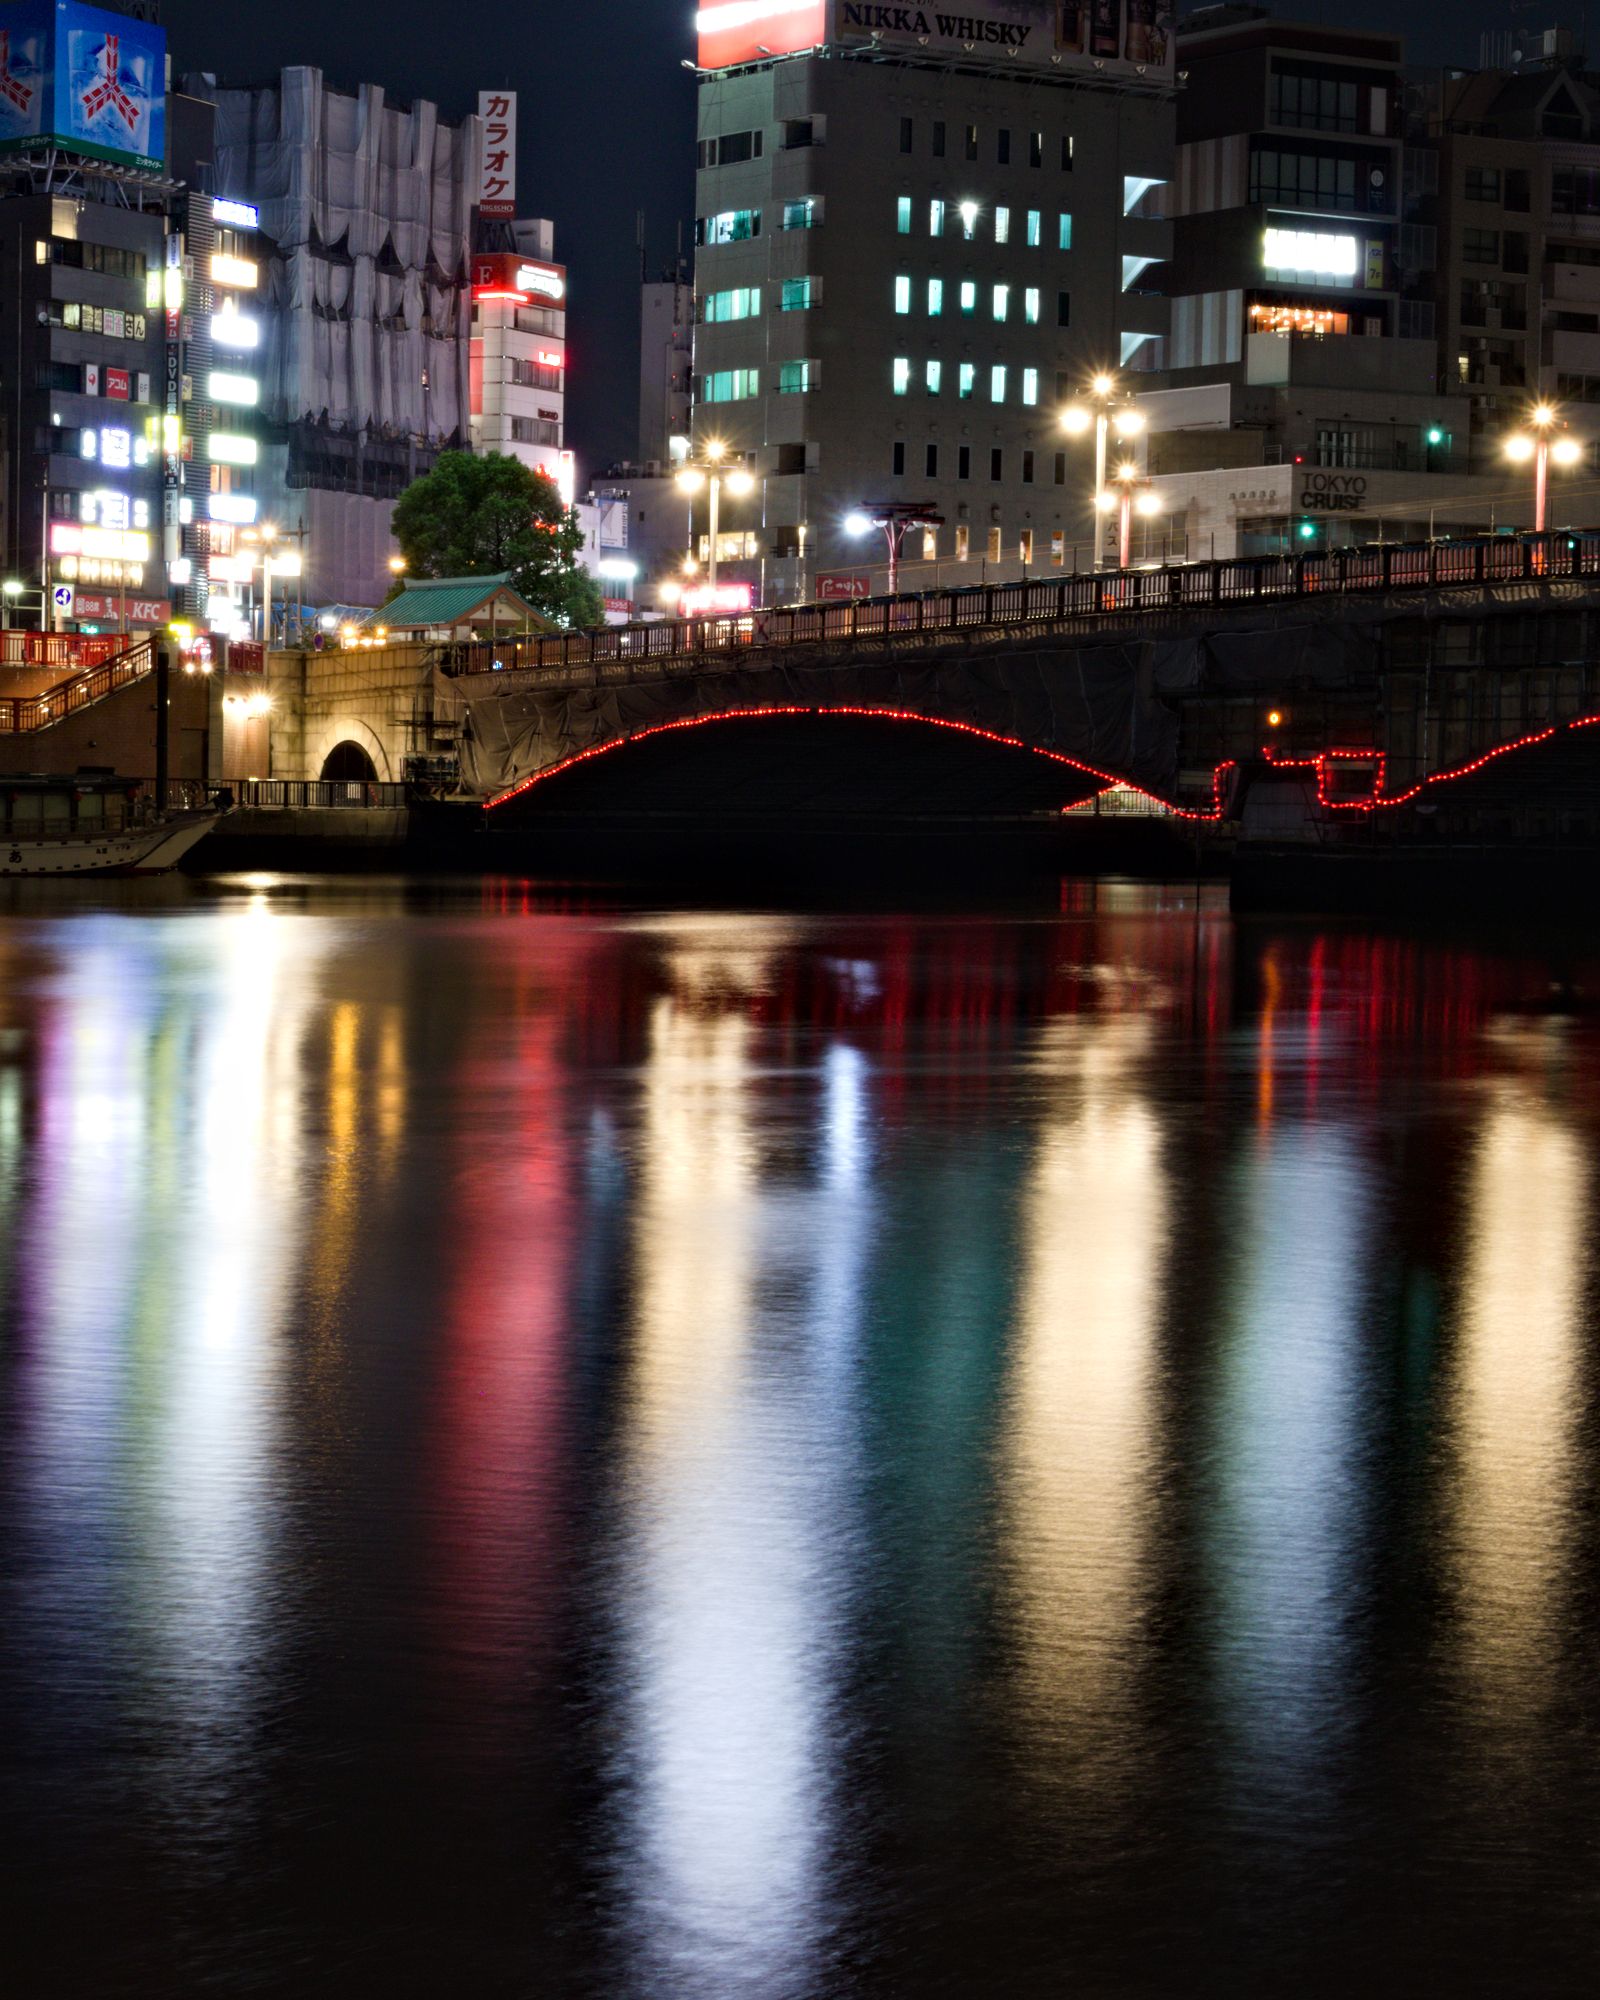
(561, 1450)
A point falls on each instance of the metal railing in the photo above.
(59, 649)
(298, 794)
(21, 713)
(1066, 600)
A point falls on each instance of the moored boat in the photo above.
(93, 824)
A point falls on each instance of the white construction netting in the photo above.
(365, 216)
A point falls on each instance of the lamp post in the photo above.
(1125, 498)
(1536, 445)
(896, 518)
(1103, 409)
(709, 472)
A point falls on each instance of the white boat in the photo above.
(92, 825)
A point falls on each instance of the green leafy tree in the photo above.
(480, 515)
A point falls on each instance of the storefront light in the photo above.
(227, 448)
(239, 510)
(241, 390)
(239, 272)
(234, 329)
(1311, 250)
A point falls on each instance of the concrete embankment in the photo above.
(304, 838)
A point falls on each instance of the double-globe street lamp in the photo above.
(1129, 494)
(713, 472)
(896, 518)
(1537, 446)
(1103, 408)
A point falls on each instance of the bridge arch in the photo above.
(1056, 775)
(347, 735)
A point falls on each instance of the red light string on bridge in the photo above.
(1105, 779)
(1320, 762)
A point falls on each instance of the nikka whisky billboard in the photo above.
(1122, 38)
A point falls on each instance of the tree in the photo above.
(481, 515)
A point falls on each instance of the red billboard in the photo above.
(741, 31)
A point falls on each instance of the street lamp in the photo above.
(1535, 444)
(694, 478)
(1104, 410)
(1126, 500)
(896, 518)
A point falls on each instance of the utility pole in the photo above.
(163, 650)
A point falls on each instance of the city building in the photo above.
(84, 484)
(1506, 164)
(666, 364)
(519, 353)
(362, 281)
(1303, 350)
(916, 234)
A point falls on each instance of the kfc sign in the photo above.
(497, 184)
(741, 31)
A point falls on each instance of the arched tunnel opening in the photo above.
(808, 796)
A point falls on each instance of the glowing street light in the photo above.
(1536, 445)
(1128, 499)
(896, 518)
(1103, 410)
(696, 478)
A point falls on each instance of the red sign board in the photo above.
(118, 384)
(89, 605)
(523, 280)
(835, 585)
(747, 31)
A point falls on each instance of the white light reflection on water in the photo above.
(1517, 1394)
(161, 1228)
(738, 1536)
(1284, 1531)
(1082, 1457)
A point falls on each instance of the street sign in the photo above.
(62, 597)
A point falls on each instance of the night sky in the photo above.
(607, 124)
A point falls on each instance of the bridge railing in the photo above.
(324, 794)
(1496, 559)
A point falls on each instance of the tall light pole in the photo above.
(1536, 445)
(1105, 409)
(896, 518)
(709, 472)
(1126, 497)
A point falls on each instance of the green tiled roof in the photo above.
(446, 600)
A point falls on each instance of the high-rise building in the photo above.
(83, 231)
(1506, 164)
(1303, 403)
(519, 351)
(362, 288)
(666, 363)
(917, 233)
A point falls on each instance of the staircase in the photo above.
(21, 714)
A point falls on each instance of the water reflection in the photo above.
(732, 1455)
(1284, 1531)
(1518, 1387)
(1082, 1456)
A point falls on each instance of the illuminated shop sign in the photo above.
(224, 448)
(1126, 39)
(113, 447)
(238, 509)
(502, 276)
(234, 329)
(1306, 250)
(727, 599)
(238, 389)
(235, 214)
(67, 538)
(240, 272)
(497, 181)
